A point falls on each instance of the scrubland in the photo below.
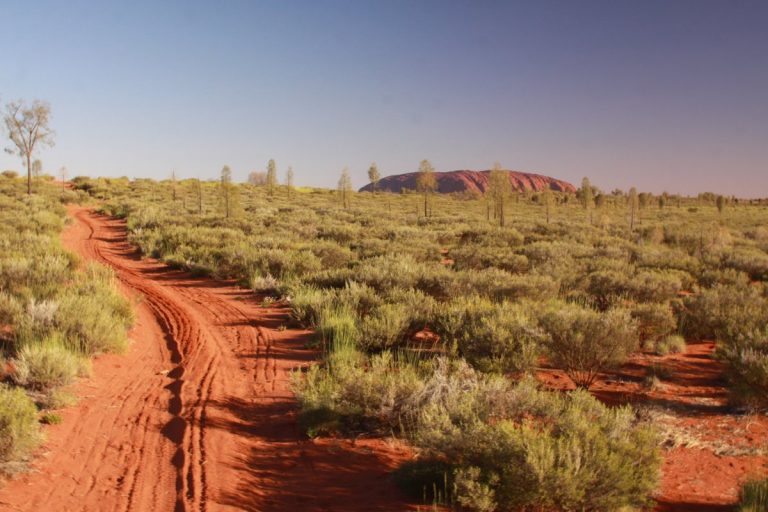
(432, 328)
(54, 315)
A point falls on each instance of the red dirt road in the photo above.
(198, 415)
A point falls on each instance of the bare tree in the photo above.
(426, 183)
(199, 190)
(37, 168)
(173, 185)
(258, 178)
(28, 129)
(289, 181)
(548, 200)
(587, 197)
(634, 205)
(63, 173)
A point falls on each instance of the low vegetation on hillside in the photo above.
(434, 311)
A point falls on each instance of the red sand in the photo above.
(198, 415)
(710, 450)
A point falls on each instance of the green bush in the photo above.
(47, 364)
(584, 342)
(671, 345)
(753, 496)
(19, 429)
(654, 321)
(725, 312)
(747, 360)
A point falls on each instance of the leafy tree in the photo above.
(374, 176)
(28, 129)
(426, 183)
(499, 190)
(289, 181)
(345, 187)
(271, 177)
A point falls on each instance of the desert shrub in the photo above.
(306, 304)
(92, 314)
(515, 447)
(264, 284)
(747, 371)
(671, 345)
(751, 261)
(727, 276)
(480, 257)
(384, 327)
(753, 496)
(350, 391)
(584, 342)
(724, 312)
(654, 321)
(19, 429)
(47, 364)
(9, 174)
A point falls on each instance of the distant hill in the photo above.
(463, 181)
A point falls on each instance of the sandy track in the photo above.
(199, 414)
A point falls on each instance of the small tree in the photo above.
(633, 205)
(63, 173)
(257, 178)
(199, 190)
(226, 190)
(426, 183)
(28, 129)
(374, 176)
(173, 185)
(271, 177)
(548, 199)
(499, 190)
(720, 202)
(345, 187)
(587, 197)
(37, 168)
(289, 181)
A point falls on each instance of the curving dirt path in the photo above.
(198, 415)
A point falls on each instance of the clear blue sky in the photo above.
(661, 94)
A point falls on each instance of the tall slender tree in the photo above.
(548, 199)
(499, 190)
(289, 181)
(345, 187)
(199, 191)
(587, 197)
(271, 177)
(374, 176)
(173, 185)
(426, 183)
(28, 129)
(226, 190)
(633, 203)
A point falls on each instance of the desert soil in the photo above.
(198, 415)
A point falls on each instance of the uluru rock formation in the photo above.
(471, 181)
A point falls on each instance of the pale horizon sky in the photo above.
(657, 94)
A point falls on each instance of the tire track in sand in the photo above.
(199, 415)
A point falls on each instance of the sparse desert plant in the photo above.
(672, 344)
(47, 364)
(725, 312)
(747, 358)
(753, 495)
(584, 342)
(19, 430)
(654, 321)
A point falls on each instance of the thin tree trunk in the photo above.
(29, 176)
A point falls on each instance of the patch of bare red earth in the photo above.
(199, 414)
(710, 450)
